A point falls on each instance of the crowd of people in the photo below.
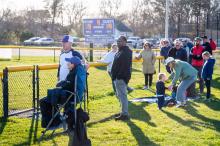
(185, 63)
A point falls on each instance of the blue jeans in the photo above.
(181, 90)
(121, 93)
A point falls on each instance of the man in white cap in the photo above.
(67, 52)
(184, 72)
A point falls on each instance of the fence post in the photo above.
(19, 53)
(5, 92)
(159, 66)
(109, 47)
(37, 87)
(91, 52)
(54, 55)
(33, 86)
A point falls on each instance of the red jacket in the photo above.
(196, 54)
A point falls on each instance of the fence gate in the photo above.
(18, 90)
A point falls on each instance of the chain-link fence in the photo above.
(46, 76)
(18, 89)
(1, 97)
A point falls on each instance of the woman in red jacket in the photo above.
(197, 60)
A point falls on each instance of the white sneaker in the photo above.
(145, 87)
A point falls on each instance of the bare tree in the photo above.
(4, 14)
(55, 7)
(110, 9)
(75, 13)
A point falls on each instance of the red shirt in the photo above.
(197, 56)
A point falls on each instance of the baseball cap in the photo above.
(197, 39)
(67, 38)
(168, 60)
(74, 60)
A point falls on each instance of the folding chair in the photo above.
(60, 107)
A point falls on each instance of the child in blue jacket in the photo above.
(207, 71)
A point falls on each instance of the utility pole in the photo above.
(167, 20)
(178, 26)
(218, 28)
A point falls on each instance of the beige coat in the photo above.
(149, 60)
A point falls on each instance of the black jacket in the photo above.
(160, 86)
(122, 64)
(69, 83)
(207, 47)
(180, 54)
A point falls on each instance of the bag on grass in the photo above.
(79, 133)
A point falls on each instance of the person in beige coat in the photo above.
(149, 60)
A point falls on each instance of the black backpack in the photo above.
(78, 134)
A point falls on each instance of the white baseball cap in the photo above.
(168, 60)
(67, 38)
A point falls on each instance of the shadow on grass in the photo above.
(136, 70)
(214, 104)
(32, 130)
(138, 112)
(187, 123)
(101, 121)
(3, 123)
(101, 68)
(211, 123)
(216, 83)
(139, 135)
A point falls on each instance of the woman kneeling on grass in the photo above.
(148, 64)
(181, 71)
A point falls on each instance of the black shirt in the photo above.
(160, 86)
(207, 47)
(121, 68)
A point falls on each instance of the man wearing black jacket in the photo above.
(177, 52)
(206, 45)
(121, 74)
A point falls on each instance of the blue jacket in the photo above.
(164, 51)
(207, 69)
(78, 73)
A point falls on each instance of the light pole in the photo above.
(167, 20)
(178, 25)
(217, 27)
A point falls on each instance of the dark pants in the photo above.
(160, 102)
(191, 91)
(208, 87)
(201, 82)
(148, 79)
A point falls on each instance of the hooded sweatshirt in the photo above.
(207, 69)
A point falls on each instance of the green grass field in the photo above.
(198, 124)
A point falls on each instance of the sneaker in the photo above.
(145, 88)
(180, 105)
(122, 117)
(117, 115)
(130, 89)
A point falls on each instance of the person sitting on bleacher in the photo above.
(59, 95)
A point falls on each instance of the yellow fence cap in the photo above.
(20, 68)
